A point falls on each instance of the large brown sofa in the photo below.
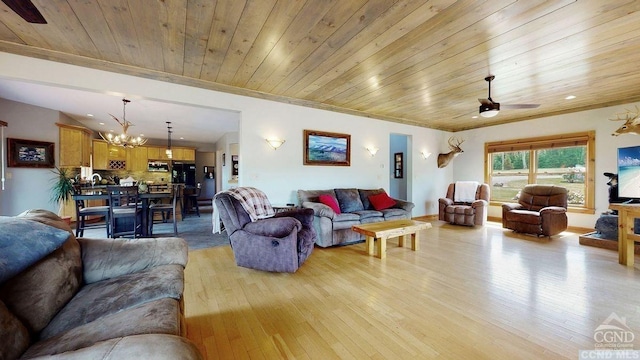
(541, 210)
(68, 298)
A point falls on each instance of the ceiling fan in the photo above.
(490, 108)
(26, 10)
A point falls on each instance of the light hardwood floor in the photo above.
(468, 293)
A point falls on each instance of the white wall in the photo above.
(470, 165)
(28, 188)
(277, 172)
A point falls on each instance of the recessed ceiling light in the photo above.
(474, 117)
(181, 138)
(90, 115)
(101, 123)
(570, 97)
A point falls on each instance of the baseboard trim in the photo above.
(426, 218)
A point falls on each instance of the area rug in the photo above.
(195, 230)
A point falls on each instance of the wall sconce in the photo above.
(275, 143)
(425, 154)
(372, 150)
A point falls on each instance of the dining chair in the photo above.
(124, 209)
(166, 210)
(83, 211)
(190, 200)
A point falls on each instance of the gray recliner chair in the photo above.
(465, 213)
(279, 244)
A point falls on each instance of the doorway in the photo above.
(400, 165)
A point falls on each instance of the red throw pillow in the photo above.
(381, 201)
(331, 202)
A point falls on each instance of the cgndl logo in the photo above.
(614, 332)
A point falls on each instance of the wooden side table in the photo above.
(626, 237)
(283, 208)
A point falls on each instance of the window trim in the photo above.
(587, 138)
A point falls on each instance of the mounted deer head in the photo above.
(454, 145)
(631, 123)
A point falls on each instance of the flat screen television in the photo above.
(629, 172)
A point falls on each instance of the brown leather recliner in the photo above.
(541, 210)
(471, 213)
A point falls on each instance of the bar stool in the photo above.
(166, 209)
(190, 201)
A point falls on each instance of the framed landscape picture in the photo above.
(29, 153)
(326, 148)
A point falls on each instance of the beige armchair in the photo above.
(469, 213)
(541, 210)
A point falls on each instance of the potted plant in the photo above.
(62, 189)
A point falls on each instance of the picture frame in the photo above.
(30, 153)
(398, 165)
(326, 148)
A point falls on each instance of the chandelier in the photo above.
(169, 152)
(123, 139)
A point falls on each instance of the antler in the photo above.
(457, 144)
(629, 116)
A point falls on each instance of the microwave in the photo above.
(158, 166)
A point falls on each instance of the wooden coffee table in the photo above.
(381, 231)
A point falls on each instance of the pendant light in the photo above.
(169, 152)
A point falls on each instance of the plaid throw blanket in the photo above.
(253, 201)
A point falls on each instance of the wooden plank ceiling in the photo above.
(416, 62)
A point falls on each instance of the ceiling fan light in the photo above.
(489, 110)
(489, 113)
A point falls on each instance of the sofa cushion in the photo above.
(364, 196)
(394, 212)
(330, 201)
(117, 294)
(149, 346)
(349, 200)
(346, 217)
(155, 317)
(15, 337)
(23, 242)
(39, 292)
(366, 214)
(381, 201)
(524, 216)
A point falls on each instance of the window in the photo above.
(566, 160)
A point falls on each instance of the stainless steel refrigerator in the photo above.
(183, 172)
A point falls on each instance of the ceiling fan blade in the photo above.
(26, 10)
(520, 106)
(486, 102)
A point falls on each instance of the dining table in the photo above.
(146, 198)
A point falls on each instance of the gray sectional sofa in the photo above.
(68, 298)
(355, 208)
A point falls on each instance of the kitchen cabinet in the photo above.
(188, 154)
(75, 145)
(137, 159)
(116, 152)
(153, 152)
(179, 153)
(100, 155)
